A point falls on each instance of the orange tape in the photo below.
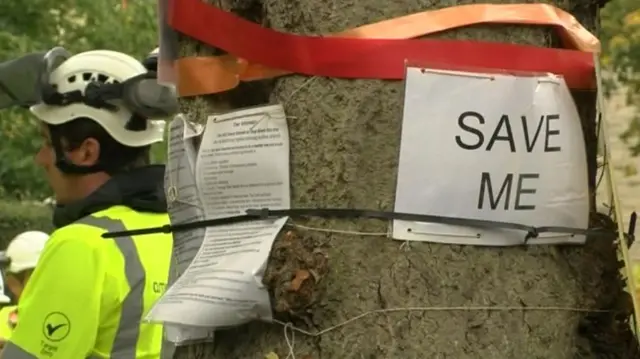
(201, 75)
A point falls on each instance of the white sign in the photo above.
(242, 162)
(491, 147)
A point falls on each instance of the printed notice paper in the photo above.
(493, 147)
(242, 162)
(183, 203)
(183, 206)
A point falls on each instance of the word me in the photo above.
(473, 125)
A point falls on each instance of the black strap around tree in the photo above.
(531, 232)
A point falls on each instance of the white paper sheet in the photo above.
(242, 163)
(494, 147)
(181, 335)
(184, 206)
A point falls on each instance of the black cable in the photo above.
(631, 233)
(343, 213)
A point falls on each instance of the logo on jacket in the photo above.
(56, 326)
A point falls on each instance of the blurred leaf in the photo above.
(620, 37)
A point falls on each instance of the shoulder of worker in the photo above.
(82, 229)
(6, 310)
(114, 216)
(75, 239)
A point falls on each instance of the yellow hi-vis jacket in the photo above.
(88, 295)
(7, 322)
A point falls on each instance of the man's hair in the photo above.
(117, 157)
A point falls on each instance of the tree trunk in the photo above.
(344, 143)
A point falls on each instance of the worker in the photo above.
(100, 111)
(4, 299)
(5, 313)
(8, 321)
(20, 259)
(18, 263)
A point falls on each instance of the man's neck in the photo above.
(90, 183)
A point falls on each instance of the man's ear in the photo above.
(87, 154)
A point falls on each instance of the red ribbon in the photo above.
(368, 58)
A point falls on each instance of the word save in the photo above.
(538, 133)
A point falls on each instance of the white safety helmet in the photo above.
(75, 73)
(24, 250)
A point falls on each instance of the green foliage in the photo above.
(620, 36)
(78, 25)
(19, 175)
(17, 217)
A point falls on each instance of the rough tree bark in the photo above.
(344, 148)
